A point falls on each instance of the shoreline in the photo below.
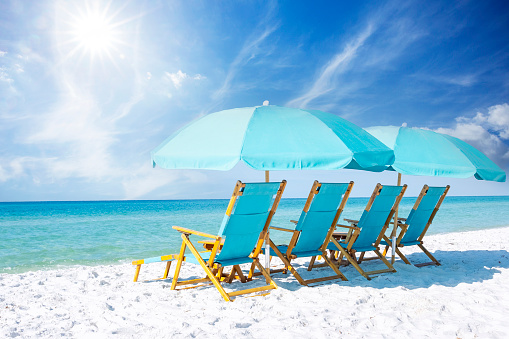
(128, 261)
(467, 296)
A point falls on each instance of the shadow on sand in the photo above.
(456, 267)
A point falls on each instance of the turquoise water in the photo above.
(45, 235)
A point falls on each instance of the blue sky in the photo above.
(89, 88)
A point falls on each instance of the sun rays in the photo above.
(93, 30)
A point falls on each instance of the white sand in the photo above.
(466, 297)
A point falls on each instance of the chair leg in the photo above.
(267, 276)
(287, 263)
(179, 262)
(251, 272)
(229, 279)
(207, 270)
(353, 261)
(335, 269)
(137, 273)
(435, 261)
(167, 270)
(386, 262)
(403, 257)
(312, 262)
(240, 274)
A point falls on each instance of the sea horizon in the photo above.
(199, 199)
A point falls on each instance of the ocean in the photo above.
(47, 235)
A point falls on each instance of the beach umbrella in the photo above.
(424, 152)
(272, 137)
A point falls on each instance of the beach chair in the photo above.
(365, 234)
(314, 229)
(239, 240)
(414, 228)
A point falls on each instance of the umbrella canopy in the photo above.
(272, 138)
(424, 152)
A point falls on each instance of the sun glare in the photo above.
(93, 30)
(94, 33)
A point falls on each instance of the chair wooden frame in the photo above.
(214, 270)
(288, 256)
(404, 227)
(354, 231)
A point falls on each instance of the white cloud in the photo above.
(497, 119)
(486, 132)
(179, 77)
(4, 76)
(2, 53)
(12, 169)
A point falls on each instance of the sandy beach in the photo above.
(466, 297)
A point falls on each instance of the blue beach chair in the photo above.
(239, 240)
(414, 228)
(365, 234)
(314, 229)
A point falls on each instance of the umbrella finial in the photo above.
(266, 103)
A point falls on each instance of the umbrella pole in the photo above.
(395, 228)
(267, 246)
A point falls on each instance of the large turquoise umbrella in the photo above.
(272, 138)
(424, 152)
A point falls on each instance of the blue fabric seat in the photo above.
(314, 228)
(239, 239)
(367, 233)
(419, 219)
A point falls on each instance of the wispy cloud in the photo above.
(145, 179)
(382, 38)
(462, 80)
(251, 50)
(336, 65)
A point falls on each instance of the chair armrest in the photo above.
(294, 221)
(350, 227)
(404, 226)
(189, 231)
(340, 235)
(351, 221)
(208, 245)
(281, 229)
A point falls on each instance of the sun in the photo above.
(90, 28)
(94, 33)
